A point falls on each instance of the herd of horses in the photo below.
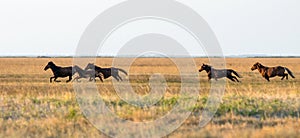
(92, 71)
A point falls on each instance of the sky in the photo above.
(242, 27)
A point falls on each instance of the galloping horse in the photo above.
(60, 71)
(219, 73)
(85, 73)
(107, 72)
(269, 72)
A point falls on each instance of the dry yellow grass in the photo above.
(30, 106)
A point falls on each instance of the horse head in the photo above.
(90, 66)
(49, 65)
(257, 65)
(204, 67)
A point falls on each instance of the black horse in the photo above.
(269, 72)
(60, 71)
(219, 73)
(106, 72)
(91, 74)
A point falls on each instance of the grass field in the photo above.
(30, 106)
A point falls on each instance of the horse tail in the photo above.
(290, 72)
(122, 70)
(236, 74)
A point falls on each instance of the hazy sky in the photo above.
(47, 27)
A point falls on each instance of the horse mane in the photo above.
(260, 65)
(53, 66)
(209, 68)
(52, 63)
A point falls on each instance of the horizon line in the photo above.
(129, 56)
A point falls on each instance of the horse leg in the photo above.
(236, 78)
(267, 78)
(70, 78)
(283, 77)
(92, 78)
(209, 78)
(51, 79)
(231, 78)
(120, 77)
(116, 78)
(76, 79)
(100, 78)
(56, 80)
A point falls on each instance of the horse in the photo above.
(60, 71)
(219, 73)
(85, 74)
(269, 72)
(106, 72)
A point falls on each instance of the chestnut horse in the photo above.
(219, 73)
(269, 72)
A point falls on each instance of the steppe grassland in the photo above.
(32, 107)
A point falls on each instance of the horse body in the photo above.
(85, 73)
(106, 72)
(60, 71)
(219, 73)
(269, 72)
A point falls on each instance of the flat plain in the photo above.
(31, 106)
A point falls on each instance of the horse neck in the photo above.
(208, 69)
(54, 68)
(261, 68)
(79, 70)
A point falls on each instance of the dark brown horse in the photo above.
(219, 73)
(269, 72)
(60, 71)
(106, 72)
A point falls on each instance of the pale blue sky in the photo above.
(54, 27)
